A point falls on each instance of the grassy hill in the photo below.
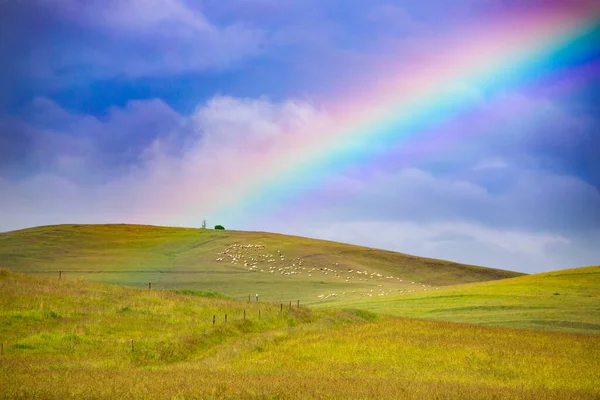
(73, 339)
(277, 267)
(567, 300)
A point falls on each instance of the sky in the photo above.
(465, 130)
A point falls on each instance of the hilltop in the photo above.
(566, 300)
(76, 339)
(236, 263)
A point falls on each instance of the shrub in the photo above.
(219, 227)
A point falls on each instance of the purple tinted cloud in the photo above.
(86, 40)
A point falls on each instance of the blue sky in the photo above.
(104, 103)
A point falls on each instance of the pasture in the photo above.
(236, 263)
(73, 339)
(566, 301)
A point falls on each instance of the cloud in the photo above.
(470, 243)
(49, 138)
(172, 17)
(491, 163)
(143, 162)
(74, 42)
(393, 17)
(531, 201)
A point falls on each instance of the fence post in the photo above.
(132, 345)
(2, 349)
(59, 275)
(214, 319)
(244, 315)
(281, 307)
(248, 298)
(258, 314)
(290, 304)
(225, 317)
(298, 304)
(149, 285)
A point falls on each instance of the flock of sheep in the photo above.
(256, 259)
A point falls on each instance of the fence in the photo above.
(225, 318)
(139, 283)
(214, 321)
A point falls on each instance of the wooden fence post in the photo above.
(290, 304)
(281, 307)
(59, 275)
(214, 319)
(225, 317)
(258, 314)
(132, 345)
(298, 304)
(244, 315)
(149, 285)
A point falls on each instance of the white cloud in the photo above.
(459, 241)
(192, 165)
(518, 198)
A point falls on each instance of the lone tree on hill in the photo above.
(219, 227)
(204, 224)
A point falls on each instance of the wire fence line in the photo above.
(206, 327)
(172, 286)
(267, 310)
(127, 271)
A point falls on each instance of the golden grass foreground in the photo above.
(67, 339)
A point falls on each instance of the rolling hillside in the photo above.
(277, 267)
(567, 300)
(74, 339)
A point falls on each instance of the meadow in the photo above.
(332, 320)
(73, 339)
(566, 301)
(236, 263)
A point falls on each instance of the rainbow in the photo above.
(515, 50)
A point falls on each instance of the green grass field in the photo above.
(372, 323)
(73, 339)
(238, 264)
(567, 300)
